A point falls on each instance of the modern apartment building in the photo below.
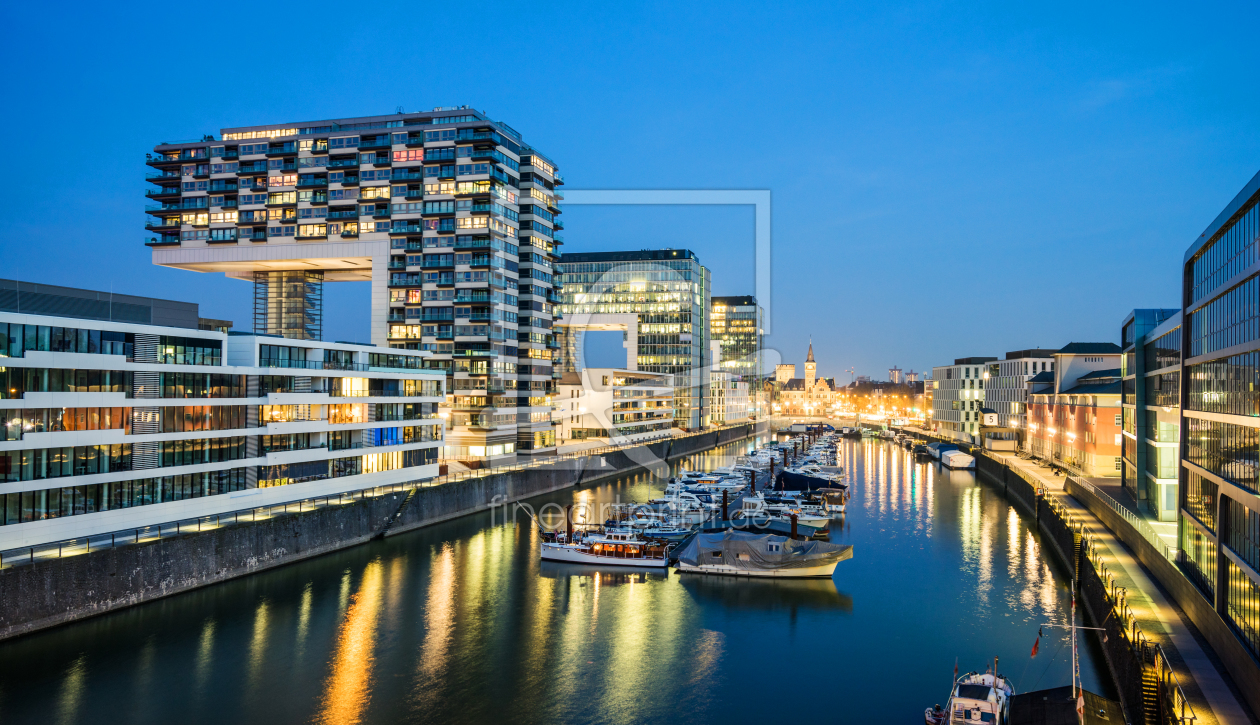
(1074, 414)
(1151, 368)
(1220, 360)
(729, 399)
(451, 216)
(739, 324)
(958, 397)
(108, 425)
(618, 405)
(660, 299)
(1006, 389)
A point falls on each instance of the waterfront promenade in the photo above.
(1163, 622)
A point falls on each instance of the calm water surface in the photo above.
(461, 622)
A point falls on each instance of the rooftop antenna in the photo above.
(399, 110)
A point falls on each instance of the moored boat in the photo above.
(735, 553)
(618, 547)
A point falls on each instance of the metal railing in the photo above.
(86, 544)
(1168, 704)
(1137, 522)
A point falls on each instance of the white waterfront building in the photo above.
(729, 402)
(615, 405)
(1006, 388)
(109, 425)
(958, 396)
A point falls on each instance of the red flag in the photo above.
(1037, 644)
(955, 669)
(1080, 706)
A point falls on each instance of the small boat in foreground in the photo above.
(976, 698)
(735, 553)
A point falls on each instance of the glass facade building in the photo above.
(739, 324)
(1219, 342)
(1151, 368)
(667, 290)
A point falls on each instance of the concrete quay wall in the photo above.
(56, 591)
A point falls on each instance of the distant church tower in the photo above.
(811, 367)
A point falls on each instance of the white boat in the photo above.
(782, 509)
(957, 459)
(978, 699)
(619, 547)
(736, 553)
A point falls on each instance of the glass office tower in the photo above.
(1220, 467)
(667, 291)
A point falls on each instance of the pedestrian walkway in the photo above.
(1162, 622)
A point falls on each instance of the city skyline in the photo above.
(958, 146)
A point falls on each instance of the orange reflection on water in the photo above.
(439, 619)
(346, 692)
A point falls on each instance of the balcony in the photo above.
(407, 229)
(164, 161)
(163, 176)
(166, 191)
(312, 183)
(350, 234)
(289, 148)
(162, 225)
(166, 240)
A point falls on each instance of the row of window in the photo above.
(1228, 385)
(1230, 451)
(290, 473)
(52, 503)
(39, 463)
(1231, 319)
(1163, 351)
(1233, 251)
(1164, 390)
(202, 450)
(17, 382)
(15, 423)
(16, 339)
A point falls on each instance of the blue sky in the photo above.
(948, 179)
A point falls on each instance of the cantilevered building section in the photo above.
(451, 216)
(659, 298)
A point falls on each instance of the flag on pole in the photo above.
(1037, 644)
(1080, 705)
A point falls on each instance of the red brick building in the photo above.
(1074, 414)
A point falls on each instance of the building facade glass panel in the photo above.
(1231, 319)
(1228, 254)
(1201, 499)
(1242, 606)
(1230, 451)
(1198, 559)
(1229, 385)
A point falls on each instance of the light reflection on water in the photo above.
(462, 622)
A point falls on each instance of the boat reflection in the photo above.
(767, 594)
(607, 576)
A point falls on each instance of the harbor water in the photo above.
(461, 622)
